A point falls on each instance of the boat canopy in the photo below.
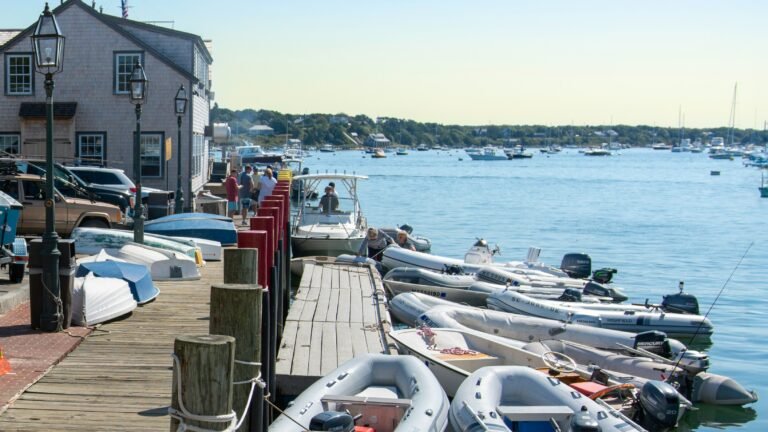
(331, 176)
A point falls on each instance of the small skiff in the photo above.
(91, 241)
(199, 225)
(137, 276)
(389, 393)
(99, 299)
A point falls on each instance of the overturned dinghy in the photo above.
(388, 393)
(673, 324)
(515, 398)
(211, 250)
(199, 225)
(162, 264)
(91, 241)
(99, 299)
(417, 309)
(136, 275)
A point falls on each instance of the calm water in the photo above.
(656, 216)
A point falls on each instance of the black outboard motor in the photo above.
(332, 421)
(680, 302)
(659, 406)
(653, 341)
(583, 422)
(577, 265)
(603, 275)
(570, 295)
(407, 228)
(453, 269)
(595, 289)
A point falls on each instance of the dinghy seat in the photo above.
(529, 413)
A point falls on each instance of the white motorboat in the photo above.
(418, 309)
(334, 230)
(486, 153)
(388, 393)
(515, 398)
(673, 324)
(99, 299)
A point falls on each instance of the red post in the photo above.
(259, 240)
(266, 223)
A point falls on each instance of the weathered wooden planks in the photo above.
(119, 378)
(335, 315)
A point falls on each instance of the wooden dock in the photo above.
(119, 378)
(339, 311)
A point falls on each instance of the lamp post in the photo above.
(138, 93)
(180, 106)
(48, 48)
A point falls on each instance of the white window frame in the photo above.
(28, 75)
(198, 142)
(7, 139)
(152, 143)
(123, 69)
(96, 139)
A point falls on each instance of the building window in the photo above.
(10, 143)
(197, 155)
(152, 154)
(18, 74)
(124, 63)
(91, 148)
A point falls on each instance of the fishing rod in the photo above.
(717, 297)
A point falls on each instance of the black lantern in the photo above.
(181, 101)
(48, 44)
(138, 84)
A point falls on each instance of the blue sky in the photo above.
(478, 62)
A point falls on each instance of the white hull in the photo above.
(96, 299)
(669, 323)
(373, 385)
(309, 246)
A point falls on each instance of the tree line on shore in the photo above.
(342, 130)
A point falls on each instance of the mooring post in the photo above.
(241, 266)
(236, 312)
(202, 381)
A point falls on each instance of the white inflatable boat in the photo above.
(387, 392)
(673, 324)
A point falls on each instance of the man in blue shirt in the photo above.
(246, 186)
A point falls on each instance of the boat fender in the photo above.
(583, 422)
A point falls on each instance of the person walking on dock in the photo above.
(266, 184)
(230, 185)
(246, 186)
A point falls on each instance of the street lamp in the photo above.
(138, 93)
(48, 49)
(181, 108)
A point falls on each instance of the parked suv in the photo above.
(71, 213)
(111, 178)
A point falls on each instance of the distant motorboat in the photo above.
(379, 154)
(486, 153)
(597, 151)
(422, 147)
(253, 154)
(384, 392)
(661, 146)
(402, 152)
(327, 148)
(518, 153)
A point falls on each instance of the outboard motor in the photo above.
(577, 265)
(332, 421)
(659, 406)
(603, 275)
(595, 289)
(653, 341)
(570, 295)
(453, 269)
(304, 171)
(582, 421)
(681, 302)
(407, 228)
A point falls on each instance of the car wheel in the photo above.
(16, 272)
(94, 223)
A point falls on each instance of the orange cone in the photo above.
(5, 367)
